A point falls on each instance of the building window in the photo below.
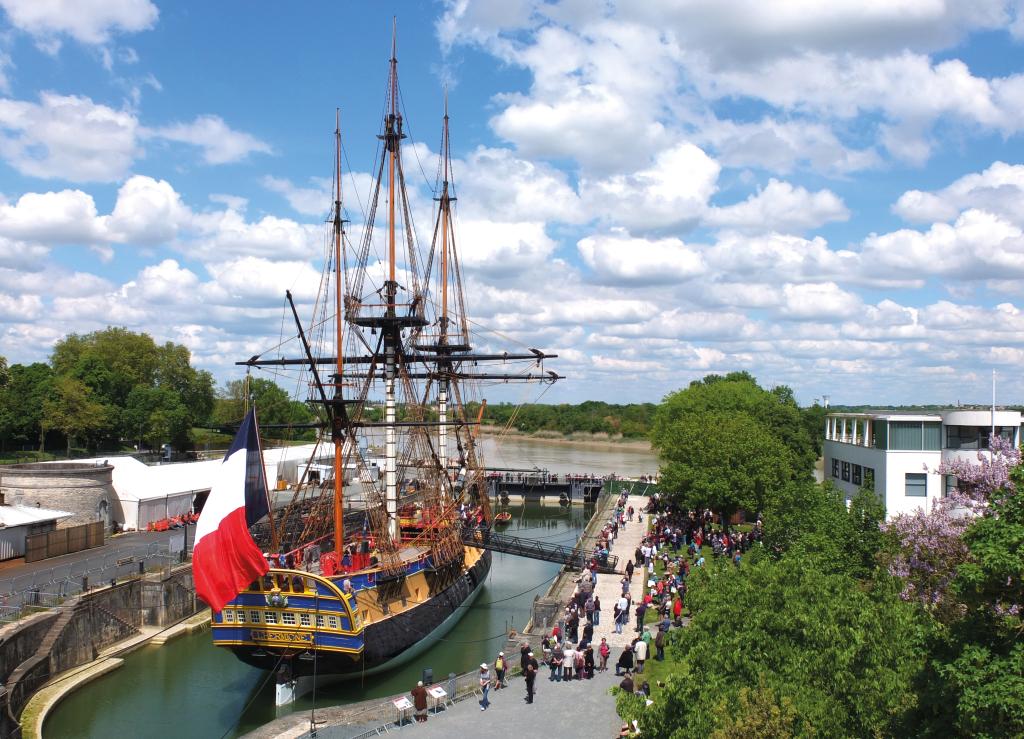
(835, 468)
(869, 478)
(855, 474)
(304, 619)
(319, 622)
(229, 616)
(254, 616)
(917, 484)
(288, 618)
(271, 617)
(846, 471)
(332, 621)
(950, 485)
(241, 617)
(974, 437)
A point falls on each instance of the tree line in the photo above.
(116, 389)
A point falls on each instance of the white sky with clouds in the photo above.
(829, 195)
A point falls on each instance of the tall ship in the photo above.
(372, 558)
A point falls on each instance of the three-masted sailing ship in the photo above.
(355, 590)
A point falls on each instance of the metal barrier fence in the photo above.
(45, 589)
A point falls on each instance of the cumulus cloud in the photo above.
(674, 191)
(310, 201)
(783, 146)
(219, 143)
(824, 300)
(502, 250)
(494, 180)
(147, 211)
(998, 190)
(617, 258)
(86, 21)
(68, 137)
(780, 206)
(977, 245)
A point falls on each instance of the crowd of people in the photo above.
(676, 539)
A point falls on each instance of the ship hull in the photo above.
(386, 643)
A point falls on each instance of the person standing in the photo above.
(484, 677)
(531, 676)
(659, 646)
(604, 650)
(499, 671)
(569, 662)
(640, 650)
(597, 611)
(419, 702)
(641, 609)
(555, 663)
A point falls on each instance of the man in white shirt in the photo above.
(640, 650)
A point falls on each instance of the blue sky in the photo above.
(829, 196)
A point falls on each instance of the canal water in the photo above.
(189, 688)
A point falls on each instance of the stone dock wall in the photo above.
(548, 608)
(36, 649)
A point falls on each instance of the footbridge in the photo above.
(576, 557)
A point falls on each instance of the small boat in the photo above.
(503, 519)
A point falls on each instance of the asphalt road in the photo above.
(61, 576)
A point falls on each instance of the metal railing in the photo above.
(42, 590)
(575, 557)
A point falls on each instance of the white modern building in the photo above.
(898, 454)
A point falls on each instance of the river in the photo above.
(189, 688)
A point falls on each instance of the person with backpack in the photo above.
(499, 671)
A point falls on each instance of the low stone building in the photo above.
(83, 489)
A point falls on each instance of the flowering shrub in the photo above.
(930, 550)
(931, 547)
(991, 476)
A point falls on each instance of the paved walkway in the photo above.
(579, 708)
(609, 588)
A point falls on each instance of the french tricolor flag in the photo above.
(225, 559)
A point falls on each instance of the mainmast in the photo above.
(442, 382)
(337, 437)
(392, 333)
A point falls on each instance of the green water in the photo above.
(189, 688)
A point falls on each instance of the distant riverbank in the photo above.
(578, 438)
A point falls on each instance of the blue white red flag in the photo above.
(225, 559)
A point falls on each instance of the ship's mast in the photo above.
(392, 136)
(442, 384)
(336, 430)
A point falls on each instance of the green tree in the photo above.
(72, 411)
(975, 682)
(814, 422)
(723, 461)
(812, 521)
(738, 392)
(835, 656)
(111, 362)
(273, 407)
(21, 403)
(121, 367)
